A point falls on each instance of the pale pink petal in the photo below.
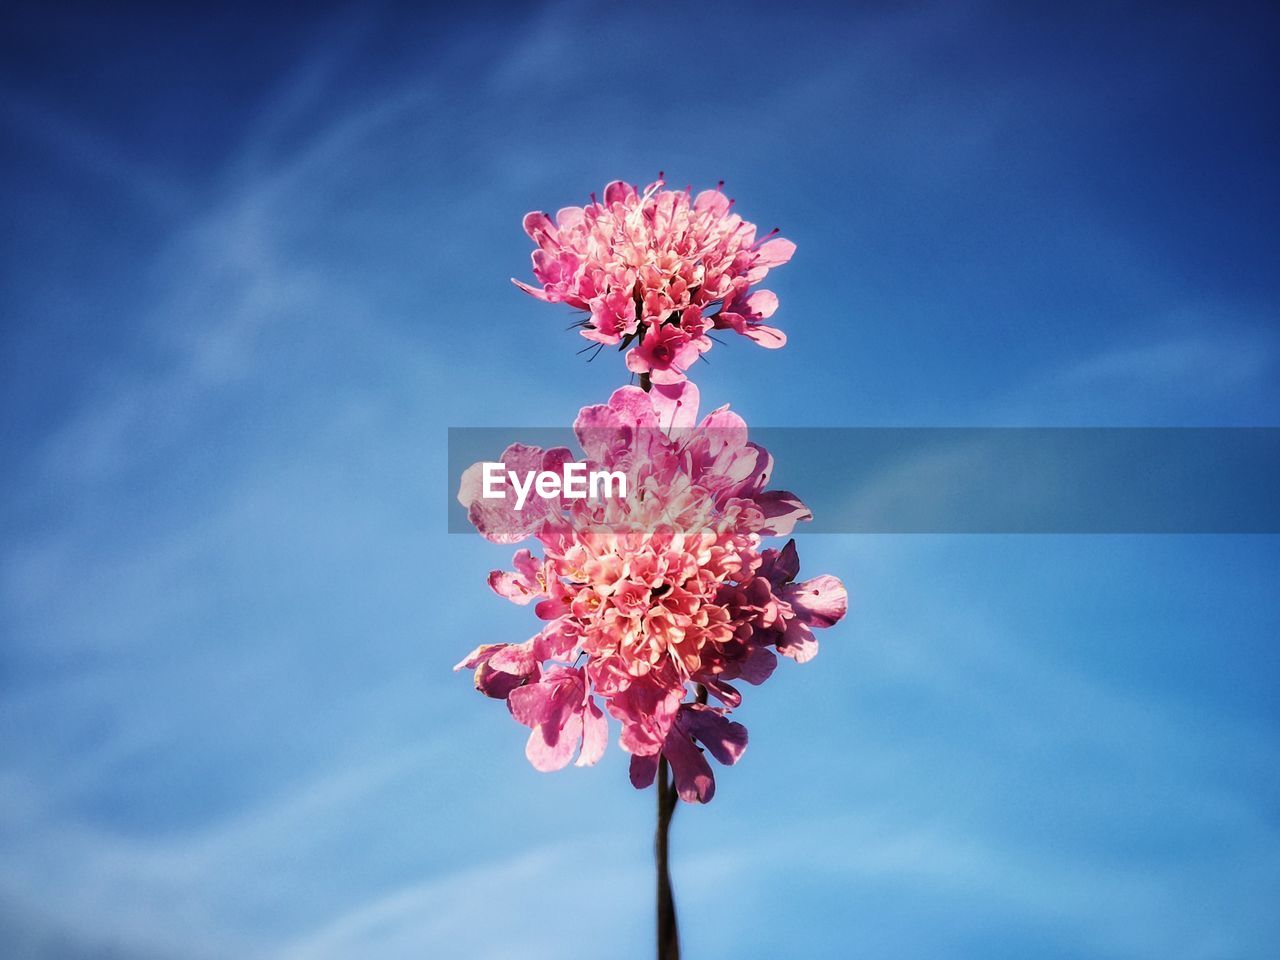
(517, 658)
(595, 735)
(713, 202)
(676, 404)
(471, 486)
(551, 748)
(771, 338)
(775, 252)
(477, 656)
(819, 602)
(799, 643)
(762, 303)
(782, 511)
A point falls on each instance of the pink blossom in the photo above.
(655, 270)
(645, 599)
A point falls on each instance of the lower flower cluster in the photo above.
(655, 604)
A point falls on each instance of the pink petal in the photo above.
(695, 783)
(557, 640)
(538, 226)
(533, 703)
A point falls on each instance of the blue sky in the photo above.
(255, 268)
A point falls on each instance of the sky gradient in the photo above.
(253, 269)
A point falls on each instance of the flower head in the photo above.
(656, 270)
(653, 602)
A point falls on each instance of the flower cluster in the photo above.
(657, 271)
(652, 603)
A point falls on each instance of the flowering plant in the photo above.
(649, 597)
(655, 604)
(657, 271)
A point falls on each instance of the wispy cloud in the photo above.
(229, 605)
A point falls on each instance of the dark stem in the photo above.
(668, 935)
(668, 932)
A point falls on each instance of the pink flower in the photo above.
(649, 597)
(657, 269)
(563, 715)
(665, 352)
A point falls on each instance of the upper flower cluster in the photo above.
(657, 271)
(648, 596)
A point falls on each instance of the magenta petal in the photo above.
(724, 692)
(618, 191)
(517, 658)
(780, 566)
(498, 685)
(643, 770)
(757, 666)
(689, 768)
(728, 320)
(538, 226)
(532, 291)
(723, 738)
